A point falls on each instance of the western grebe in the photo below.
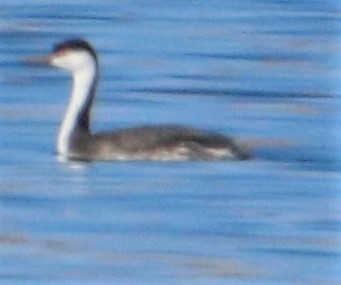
(161, 142)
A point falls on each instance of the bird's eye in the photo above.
(61, 52)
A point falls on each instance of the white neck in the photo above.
(83, 79)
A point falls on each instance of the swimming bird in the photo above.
(75, 141)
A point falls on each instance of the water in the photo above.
(266, 72)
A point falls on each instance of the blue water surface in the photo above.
(265, 72)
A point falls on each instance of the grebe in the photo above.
(161, 142)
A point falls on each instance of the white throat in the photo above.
(83, 79)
